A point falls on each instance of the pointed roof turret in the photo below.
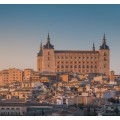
(93, 48)
(40, 52)
(104, 39)
(48, 38)
(48, 44)
(41, 46)
(104, 45)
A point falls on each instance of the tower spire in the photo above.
(104, 45)
(41, 46)
(104, 39)
(48, 44)
(93, 47)
(40, 52)
(48, 38)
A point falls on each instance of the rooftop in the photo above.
(76, 51)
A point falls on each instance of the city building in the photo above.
(10, 75)
(4, 77)
(12, 110)
(28, 73)
(85, 62)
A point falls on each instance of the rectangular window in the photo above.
(105, 66)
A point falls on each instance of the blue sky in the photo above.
(23, 27)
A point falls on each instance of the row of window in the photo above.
(10, 113)
(80, 71)
(75, 66)
(5, 80)
(76, 57)
(15, 72)
(78, 62)
(12, 75)
(6, 75)
(83, 58)
(10, 108)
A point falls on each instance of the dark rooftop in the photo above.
(75, 51)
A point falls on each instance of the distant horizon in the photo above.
(71, 27)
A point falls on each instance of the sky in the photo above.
(71, 27)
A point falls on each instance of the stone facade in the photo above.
(85, 62)
(10, 75)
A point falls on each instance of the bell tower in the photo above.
(104, 58)
(48, 57)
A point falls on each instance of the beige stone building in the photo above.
(28, 73)
(10, 75)
(4, 77)
(85, 62)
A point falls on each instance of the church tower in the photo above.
(104, 58)
(46, 58)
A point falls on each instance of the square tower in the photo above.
(46, 58)
(104, 58)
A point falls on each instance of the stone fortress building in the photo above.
(83, 62)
